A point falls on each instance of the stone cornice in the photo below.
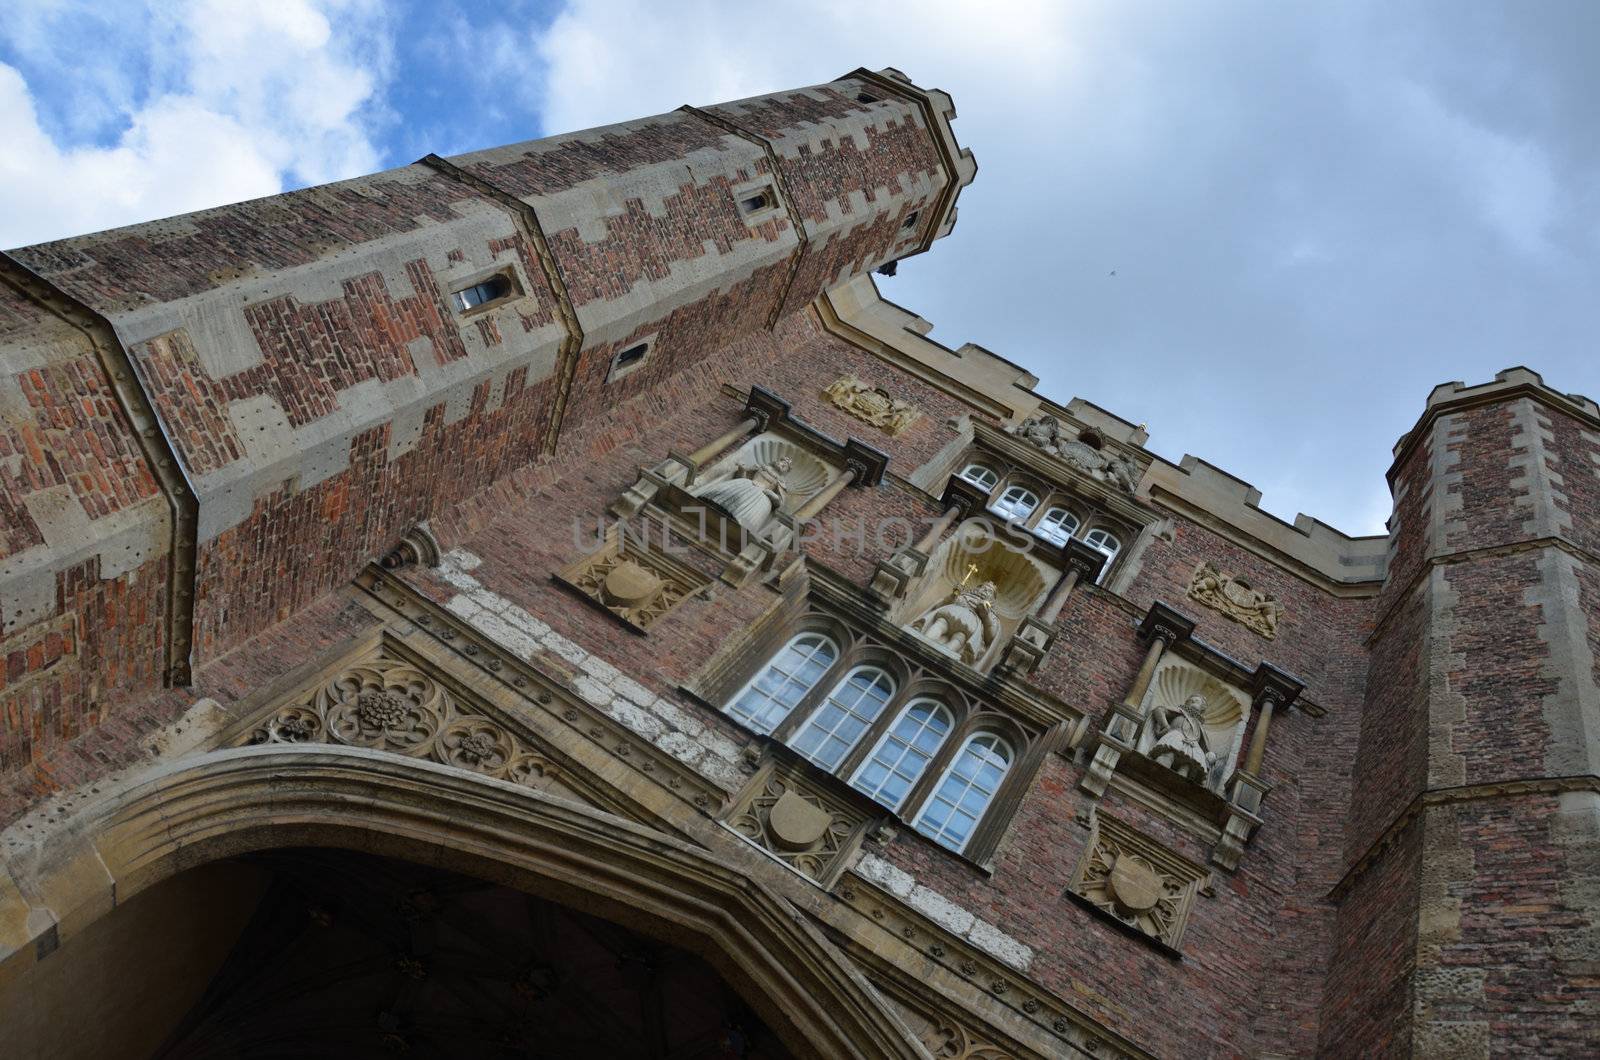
(1513, 788)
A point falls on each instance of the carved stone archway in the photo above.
(204, 809)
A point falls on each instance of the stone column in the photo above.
(1274, 690)
(827, 494)
(715, 448)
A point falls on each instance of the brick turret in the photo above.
(208, 422)
(1475, 825)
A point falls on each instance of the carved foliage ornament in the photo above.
(1137, 881)
(390, 705)
(872, 404)
(1235, 597)
(807, 829)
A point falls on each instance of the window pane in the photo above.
(965, 792)
(903, 753)
(784, 681)
(850, 709)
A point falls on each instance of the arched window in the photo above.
(965, 791)
(982, 477)
(892, 769)
(837, 725)
(1057, 526)
(779, 687)
(1017, 502)
(1103, 541)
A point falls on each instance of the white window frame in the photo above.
(1007, 504)
(936, 711)
(996, 744)
(1107, 544)
(1051, 529)
(986, 479)
(756, 720)
(883, 678)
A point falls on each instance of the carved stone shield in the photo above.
(1134, 884)
(794, 823)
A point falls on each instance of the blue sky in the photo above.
(1314, 212)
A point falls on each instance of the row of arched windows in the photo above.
(1057, 524)
(844, 712)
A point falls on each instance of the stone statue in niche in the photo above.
(1045, 432)
(751, 492)
(1235, 598)
(1181, 741)
(964, 625)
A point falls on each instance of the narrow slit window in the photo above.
(757, 201)
(911, 219)
(628, 359)
(490, 290)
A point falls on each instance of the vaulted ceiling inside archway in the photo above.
(351, 955)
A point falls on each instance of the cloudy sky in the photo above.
(1314, 212)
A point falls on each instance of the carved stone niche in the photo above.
(634, 580)
(789, 812)
(767, 477)
(1194, 724)
(1136, 881)
(975, 592)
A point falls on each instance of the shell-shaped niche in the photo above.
(806, 474)
(973, 594)
(1222, 717)
(1020, 584)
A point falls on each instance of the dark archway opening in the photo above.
(352, 955)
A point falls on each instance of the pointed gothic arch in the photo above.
(215, 806)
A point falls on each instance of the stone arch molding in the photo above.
(217, 805)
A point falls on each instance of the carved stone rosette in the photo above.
(390, 705)
(1137, 881)
(638, 586)
(797, 821)
(871, 404)
(1235, 598)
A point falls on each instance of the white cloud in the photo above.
(244, 98)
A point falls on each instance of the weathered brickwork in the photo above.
(1423, 878)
